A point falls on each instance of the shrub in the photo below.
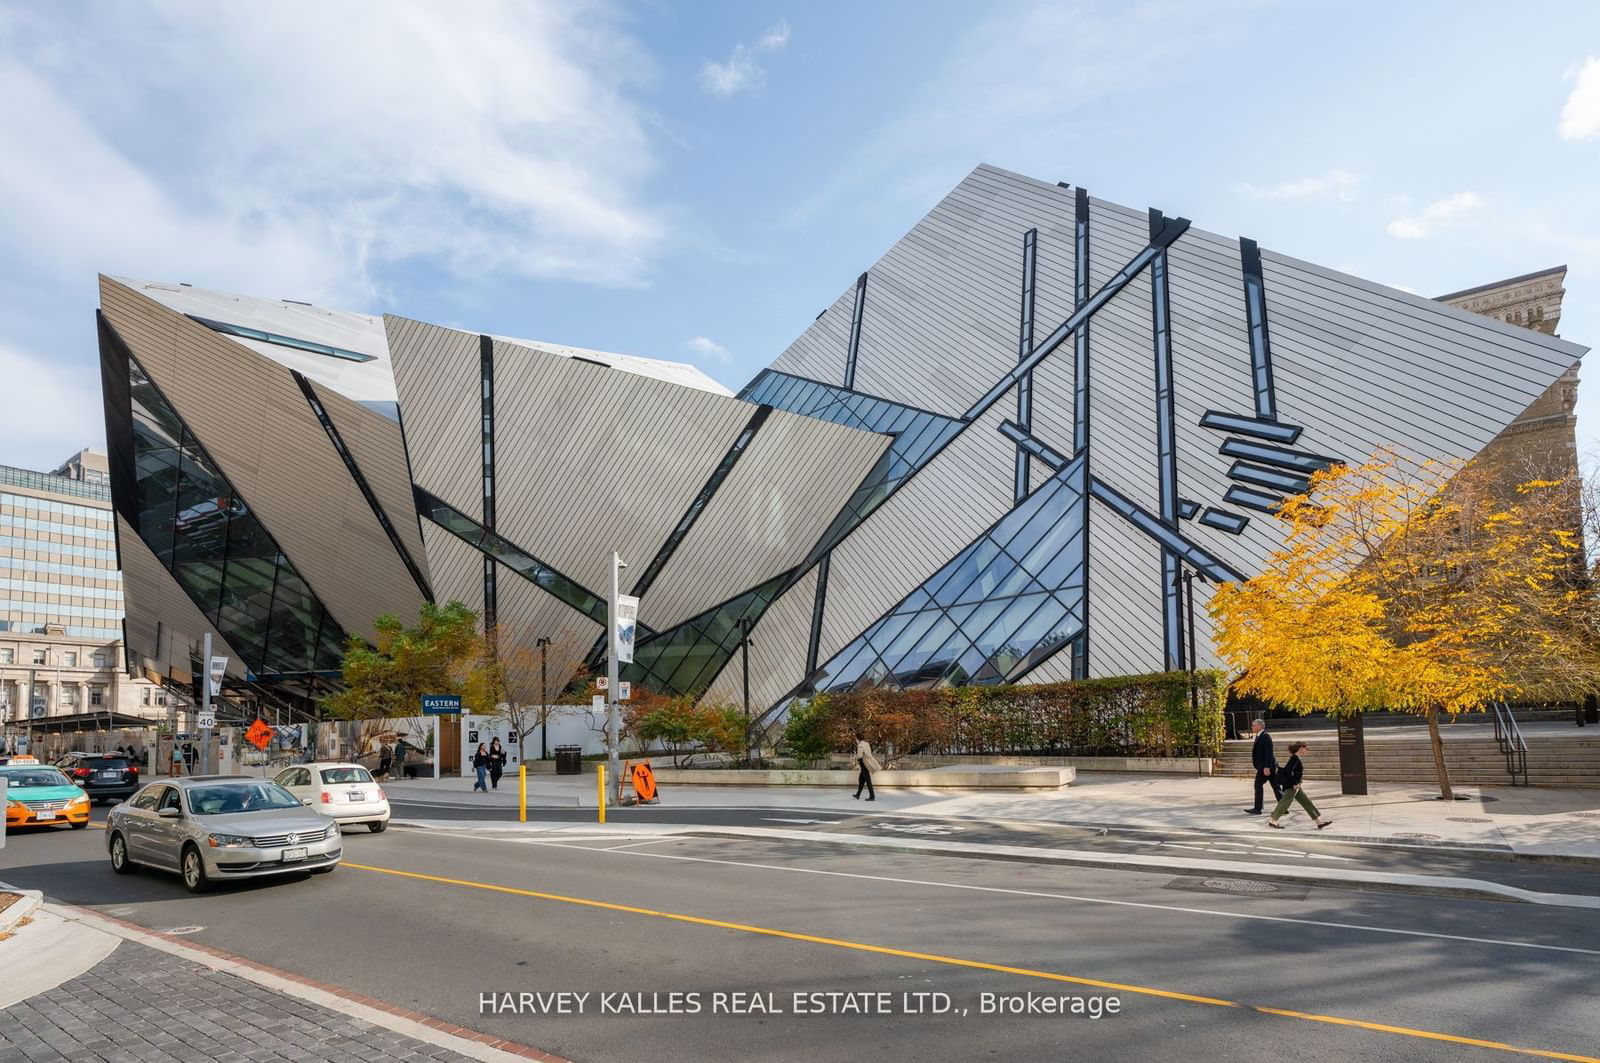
(806, 735)
(1142, 716)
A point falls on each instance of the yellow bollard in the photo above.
(522, 793)
(600, 779)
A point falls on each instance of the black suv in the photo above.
(103, 776)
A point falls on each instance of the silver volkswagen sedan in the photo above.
(214, 827)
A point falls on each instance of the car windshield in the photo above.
(34, 777)
(225, 798)
(343, 775)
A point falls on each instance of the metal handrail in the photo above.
(1512, 745)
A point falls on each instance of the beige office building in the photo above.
(61, 600)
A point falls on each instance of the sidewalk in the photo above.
(1532, 822)
(103, 991)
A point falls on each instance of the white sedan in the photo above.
(345, 792)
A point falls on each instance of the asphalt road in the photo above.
(1300, 848)
(436, 920)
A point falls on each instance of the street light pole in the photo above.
(614, 721)
(544, 696)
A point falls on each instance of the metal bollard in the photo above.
(600, 782)
(522, 793)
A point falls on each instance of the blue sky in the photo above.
(696, 180)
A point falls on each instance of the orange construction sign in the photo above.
(259, 734)
(644, 781)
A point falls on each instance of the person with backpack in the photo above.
(1289, 776)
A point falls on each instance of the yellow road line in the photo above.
(956, 961)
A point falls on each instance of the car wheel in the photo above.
(194, 870)
(378, 827)
(119, 856)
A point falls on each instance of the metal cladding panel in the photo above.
(1122, 395)
(1124, 598)
(1378, 367)
(252, 418)
(777, 651)
(528, 613)
(819, 353)
(456, 569)
(766, 516)
(162, 622)
(379, 450)
(1212, 371)
(946, 505)
(1116, 234)
(942, 306)
(591, 460)
(1057, 668)
(438, 375)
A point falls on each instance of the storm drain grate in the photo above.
(1469, 819)
(1238, 885)
(1419, 837)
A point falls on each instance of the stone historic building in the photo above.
(1543, 438)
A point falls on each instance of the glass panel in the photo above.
(1060, 634)
(919, 625)
(1005, 659)
(983, 553)
(296, 619)
(936, 636)
(936, 664)
(1000, 632)
(1003, 580)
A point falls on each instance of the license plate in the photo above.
(110, 776)
(357, 795)
(42, 816)
(293, 855)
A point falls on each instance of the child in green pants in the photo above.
(1289, 776)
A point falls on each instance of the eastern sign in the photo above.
(441, 704)
(1352, 755)
(626, 621)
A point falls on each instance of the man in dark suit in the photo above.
(1265, 764)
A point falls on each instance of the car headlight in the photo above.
(81, 799)
(230, 841)
(16, 806)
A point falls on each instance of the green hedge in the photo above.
(1131, 716)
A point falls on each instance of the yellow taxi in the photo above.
(37, 795)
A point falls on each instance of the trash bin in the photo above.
(569, 760)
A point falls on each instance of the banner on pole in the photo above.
(626, 621)
(219, 668)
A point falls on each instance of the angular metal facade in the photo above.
(992, 459)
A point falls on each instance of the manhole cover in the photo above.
(1239, 885)
(1415, 836)
(1468, 819)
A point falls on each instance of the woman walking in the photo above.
(497, 763)
(1290, 775)
(480, 764)
(868, 764)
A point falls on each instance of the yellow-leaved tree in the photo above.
(1424, 589)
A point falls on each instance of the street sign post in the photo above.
(622, 617)
(441, 704)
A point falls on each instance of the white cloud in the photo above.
(705, 349)
(52, 408)
(1337, 185)
(1580, 117)
(230, 146)
(741, 73)
(1435, 216)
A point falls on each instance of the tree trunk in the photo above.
(1438, 754)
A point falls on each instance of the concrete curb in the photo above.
(1337, 878)
(19, 910)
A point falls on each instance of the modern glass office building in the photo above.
(1000, 455)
